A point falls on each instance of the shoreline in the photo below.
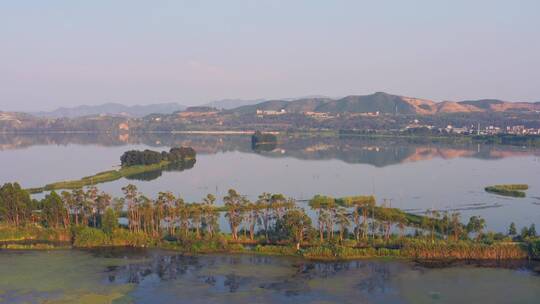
(305, 253)
(103, 177)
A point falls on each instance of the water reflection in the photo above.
(241, 273)
(377, 152)
(154, 276)
(266, 279)
(414, 175)
(172, 167)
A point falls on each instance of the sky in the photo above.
(69, 53)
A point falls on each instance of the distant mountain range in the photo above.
(387, 103)
(114, 109)
(378, 102)
(117, 109)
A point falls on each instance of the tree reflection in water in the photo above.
(228, 273)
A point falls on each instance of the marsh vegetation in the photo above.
(341, 228)
(514, 190)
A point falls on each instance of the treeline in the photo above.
(354, 226)
(149, 157)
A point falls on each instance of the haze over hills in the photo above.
(112, 109)
(232, 103)
(117, 109)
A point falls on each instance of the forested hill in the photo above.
(387, 103)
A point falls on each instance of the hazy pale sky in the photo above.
(67, 53)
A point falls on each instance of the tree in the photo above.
(279, 204)
(145, 212)
(196, 218)
(110, 221)
(103, 201)
(69, 205)
(234, 203)
(323, 203)
(430, 221)
(15, 204)
(265, 207)
(90, 206)
(177, 213)
(163, 206)
(297, 223)
(386, 216)
(512, 231)
(476, 225)
(182, 211)
(210, 215)
(456, 227)
(343, 221)
(524, 233)
(363, 208)
(131, 196)
(53, 210)
(532, 231)
(79, 198)
(401, 220)
(253, 218)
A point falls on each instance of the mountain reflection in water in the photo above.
(378, 152)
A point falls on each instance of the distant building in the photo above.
(318, 115)
(370, 114)
(270, 112)
(492, 130)
(364, 114)
(463, 130)
(521, 130)
(123, 126)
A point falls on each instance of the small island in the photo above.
(134, 164)
(263, 141)
(513, 190)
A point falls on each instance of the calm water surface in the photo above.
(414, 176)
(411, 175)
(164, 277)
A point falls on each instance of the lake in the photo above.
(154, 276)
(414, 175)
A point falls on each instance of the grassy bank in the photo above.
(102, 177)
(412, 248)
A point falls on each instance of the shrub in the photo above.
(124, 237)
(276, 250)
(86, 237)
(34, 233)
(110, 221)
